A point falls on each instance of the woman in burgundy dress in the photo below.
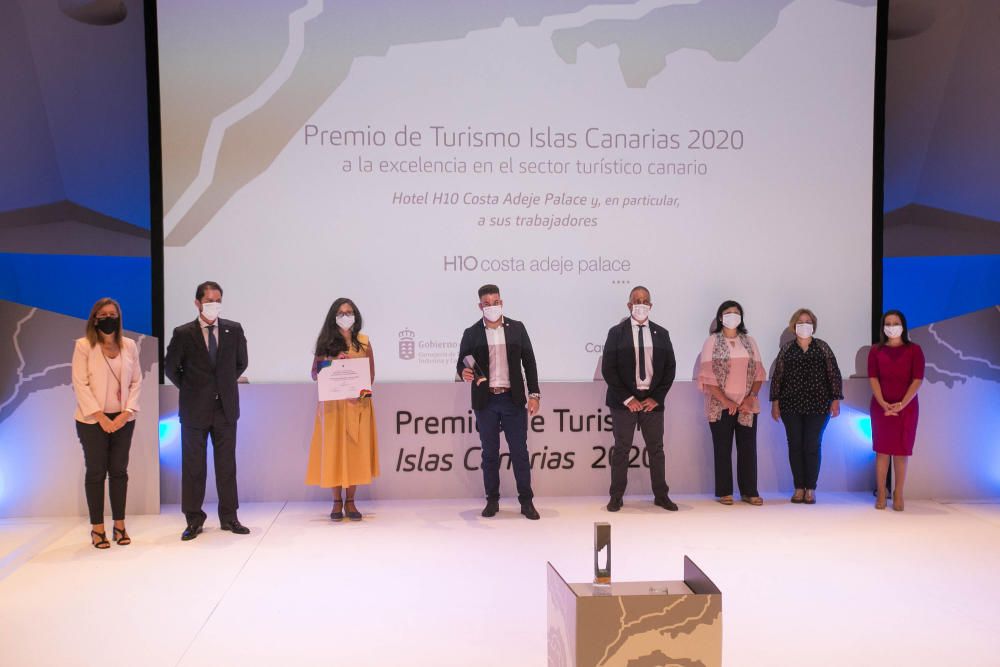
(895, 370)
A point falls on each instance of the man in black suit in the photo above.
(205, 359)
(639, 367)
(499, 347)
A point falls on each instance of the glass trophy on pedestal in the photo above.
(602, 556)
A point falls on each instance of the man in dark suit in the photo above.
(639, 367)
(499, 347)
(205, 359)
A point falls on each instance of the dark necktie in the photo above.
(642, 354)
(213, 347)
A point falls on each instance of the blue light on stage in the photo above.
(864, 426)
(861, 425)
(170, 429)
(995, 477)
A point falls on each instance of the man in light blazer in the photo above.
(205, 359)
(639, 367)
(497, 347)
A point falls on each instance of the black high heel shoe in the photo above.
(102, 543)
(122, 538)
(353, 515)
(337, 515)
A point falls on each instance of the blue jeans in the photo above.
(502, 414)
(805, 433)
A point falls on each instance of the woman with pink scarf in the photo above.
(730, 373)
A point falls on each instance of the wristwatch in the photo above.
(537, 397)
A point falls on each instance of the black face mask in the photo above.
(108, 325)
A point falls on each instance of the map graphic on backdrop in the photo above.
(36, 349)
(565, 150)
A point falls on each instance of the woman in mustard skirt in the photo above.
(344, 448)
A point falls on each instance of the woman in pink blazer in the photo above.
(107, 379)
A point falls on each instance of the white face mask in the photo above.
(731, 320)
(211, 310)
(893, 330)
(345, 321)
(640, 311)
(492, 313)
(804, 330)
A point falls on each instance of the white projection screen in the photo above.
(404, 153)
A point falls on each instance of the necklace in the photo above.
(113, 374)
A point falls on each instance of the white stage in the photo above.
(431, 583)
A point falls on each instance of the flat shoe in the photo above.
(191, 532)
(756, 501)
(235, 527)
(897, 502)
(492, 507)
(798, 496)
(529, 511)
(810, 498)
(726, 500)
(880, 501)
(666, 503)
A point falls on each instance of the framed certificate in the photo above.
(344, 378)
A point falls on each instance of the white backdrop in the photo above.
(774, 209)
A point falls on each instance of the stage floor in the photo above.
(432, 583)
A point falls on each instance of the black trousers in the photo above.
(723, 432)
(194, 468)
(623, 425)
(503, 414)
(105, 456)
(805, 433)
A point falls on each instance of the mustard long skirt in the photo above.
(344, 448)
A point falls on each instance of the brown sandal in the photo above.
(880, 500)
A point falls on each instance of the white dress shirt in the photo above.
(647, 346)
(497, 342)
(204, 331)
